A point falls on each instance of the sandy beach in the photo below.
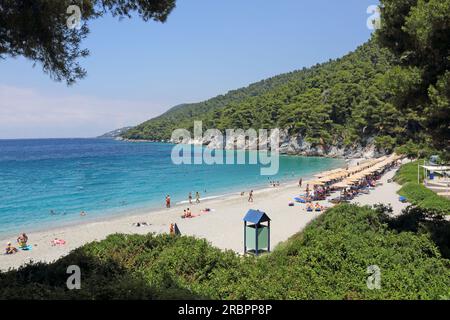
(222, 227)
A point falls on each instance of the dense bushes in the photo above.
(417, 193)
(328, 260)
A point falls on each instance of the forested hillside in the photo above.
(340, 102)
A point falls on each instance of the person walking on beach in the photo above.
(300, 182)
(168, 201)
(190, 197)
(197, 197)
(250, 196)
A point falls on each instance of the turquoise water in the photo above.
(107, 177)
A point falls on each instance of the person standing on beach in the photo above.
(250, 196)
(300, 182)
(190, 197)
(197, 197)
(168, 201)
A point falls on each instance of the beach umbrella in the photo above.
(341, 185)
(328, 173)
(325, 179)
(353, 179)
(316, 183)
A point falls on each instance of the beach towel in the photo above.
(26, 248)
(300, 200)
(58, 242)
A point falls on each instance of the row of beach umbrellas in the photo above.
(353, 174)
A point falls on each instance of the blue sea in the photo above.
(47, 183)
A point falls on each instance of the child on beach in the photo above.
(173, 230)
(10, 249)
(168, 201)
(190, 197)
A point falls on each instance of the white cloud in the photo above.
(26, 113)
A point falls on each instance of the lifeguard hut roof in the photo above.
(256, 216)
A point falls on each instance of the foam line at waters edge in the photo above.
(103, 215)
(141, 199)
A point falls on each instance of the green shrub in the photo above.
(328, 260)
(417, 193)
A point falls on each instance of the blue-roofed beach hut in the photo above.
(256, 233)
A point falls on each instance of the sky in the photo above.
(137, 70)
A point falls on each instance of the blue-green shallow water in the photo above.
(107, 177)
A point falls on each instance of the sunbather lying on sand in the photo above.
(138, 224)
(58, 242)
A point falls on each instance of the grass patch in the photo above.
(417, 193)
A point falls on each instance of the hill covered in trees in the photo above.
(338, 103)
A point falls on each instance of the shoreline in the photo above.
(150, 207)
(116, 213)
(222, 226)
(84, 232)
